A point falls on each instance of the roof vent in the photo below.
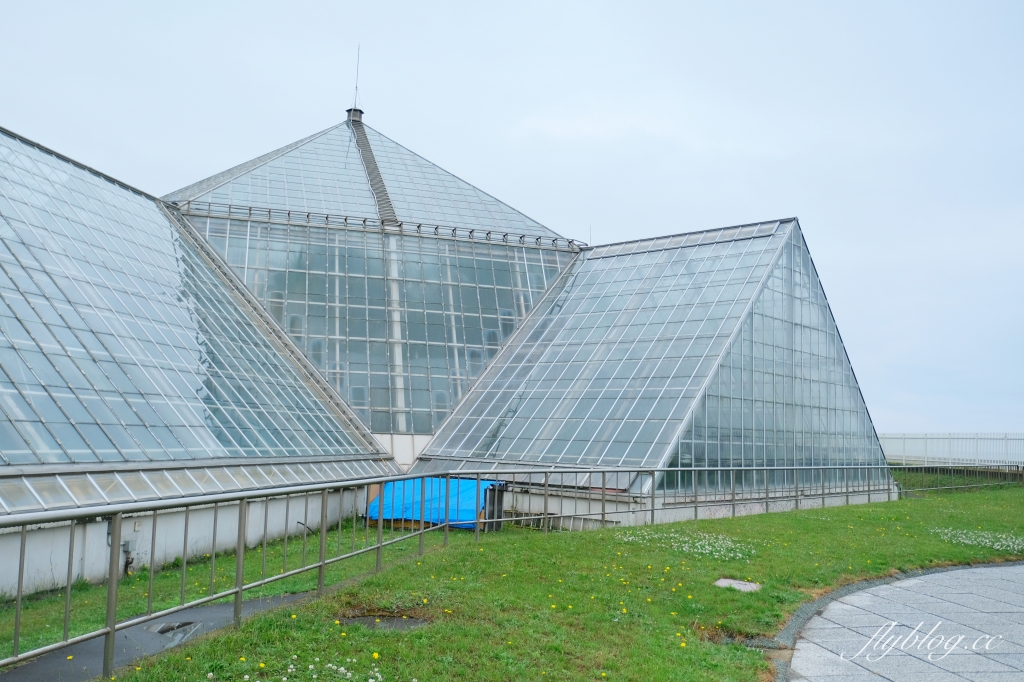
(355, 114)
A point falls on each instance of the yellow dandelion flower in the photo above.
(375, 655)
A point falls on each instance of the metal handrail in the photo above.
(375, 224)
(557, 498)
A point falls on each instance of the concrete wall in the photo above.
(46, 555)
(583, 511)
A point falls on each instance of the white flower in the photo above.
(317, 660)
(294, 657)
(311, 667)
(209, 676)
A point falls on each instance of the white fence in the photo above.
(954, 448)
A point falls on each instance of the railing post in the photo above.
(476, 511)
(71, 578)
(423, 509)
(323, 541)
(693, 469)
(544, 519)
(447, 505)
(184, 555)
(113, 574)
(732, 490)
(846, 483)
(766, 508)
(653, 498)
(243, 516)
(21, 582)
(152, 565)
(213, 552)
(822, 487)
(380, 524)
(604, 491)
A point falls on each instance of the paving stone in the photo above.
(968, 604)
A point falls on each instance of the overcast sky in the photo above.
(892, 130)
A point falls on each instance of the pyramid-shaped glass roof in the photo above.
(125, 340)
(326, 174)
(610, 369)
(318, 174)
(422, 192)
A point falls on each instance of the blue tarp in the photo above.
(401, 501)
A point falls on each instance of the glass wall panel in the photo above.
(400, 325)
(605, 373)
(120, 342)
(784, 393)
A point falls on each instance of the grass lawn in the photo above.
(626, 604)
(42, 619)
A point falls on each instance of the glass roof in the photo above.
(421, 192)
(36, 493)
(606, 371)
(120, 341)
(322, 174)
(784, 392)
(400, 325)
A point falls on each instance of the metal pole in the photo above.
(653, 498)
(423, 509)
(822, 487)
(213, 552)
(287, 519)
(476, 511)
(732, 490)
(766, 507)
(380, 526)
(323, 543)
(184, 555)
(243, 515)
(21, 582)
(355, 517)
(846, 483)
(113, 574)
(693, 471)
(544, 519)
(447, 505)
(266, 514)
(152, 566)
(71, 577)
(305, 526)
(604, 491)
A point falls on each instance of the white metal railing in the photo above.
(548, 499)
(953, 448)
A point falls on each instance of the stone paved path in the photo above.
(957, 625)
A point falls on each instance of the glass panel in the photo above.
(400, 325)
(206, 482)
(162, 483)
(51, 492)
(111, 487)
(223, 478)
(185, 482)
(783, 394)
(606, 373)
(138, 485)
(83, 489)
(423, 193)
(146, 349)
(17, 496)
(321, 174)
